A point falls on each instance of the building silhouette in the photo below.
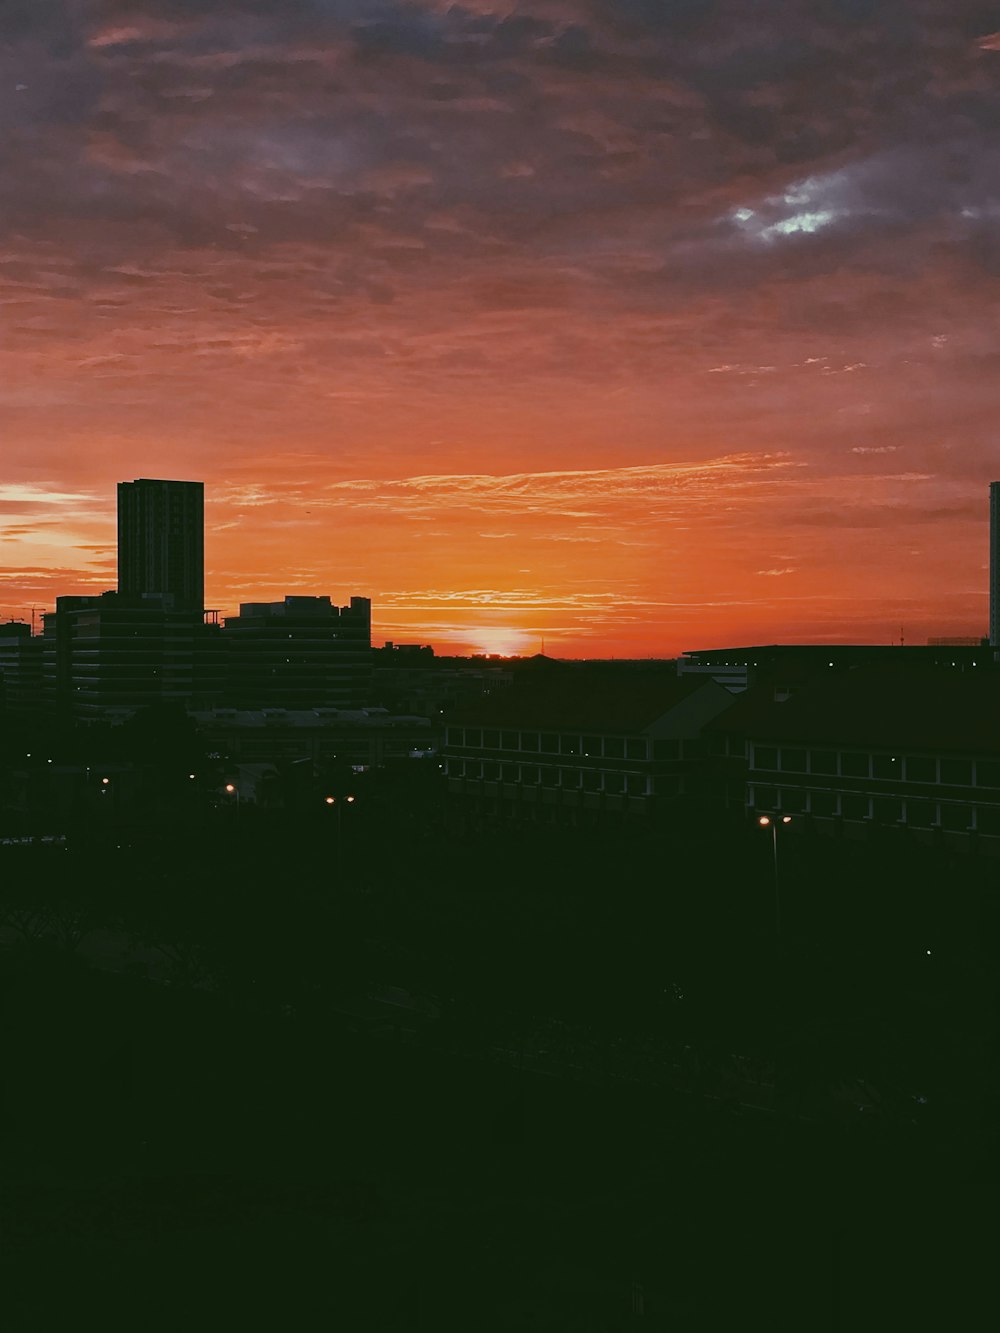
(110, 655)
(995, 565)
(161, 541)
(302, 652)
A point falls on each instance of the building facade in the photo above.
(302, 652)
(113, 654)
(863, 753)
(161, 540)
(576, 751)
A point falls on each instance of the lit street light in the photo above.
(338, 804)
(772, 822)
(231, 789)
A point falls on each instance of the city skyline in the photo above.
(633, 327)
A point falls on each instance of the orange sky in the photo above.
(637, 327)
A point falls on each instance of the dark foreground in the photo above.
(170, 1161)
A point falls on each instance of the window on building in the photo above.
(550, 742)
(550, 777)
(569, 744)
(763, 798)
(793, 760)
(765, 757)
(635, 749)
(614, 747)
(956, 772)
(822, 803)
(473, 736)
(793, 800)
(988, 820)
(510, 740)
(508, 772)
(823, 761)
(530, 775)
(886, 811)
(920, 768)
(569, 777)
(491, 771)
(529, 741)
(614, 783)
(473, 769)
(987, 773)
(956, 818)
(591, 780)
(854, 765)
(666, 750)
(592, 746)
(886, 766)
(456, 735)
(921, 814)
(854, 807)
(635, 784)
(491, 740)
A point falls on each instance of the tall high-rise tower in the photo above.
(995, 564)
(161, 540)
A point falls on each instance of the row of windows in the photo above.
(575, 779)
(550, 742)
(952, 815)
(858, 764)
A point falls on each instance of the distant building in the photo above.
(20, 667)
(302, 652)
(360, 738)
(578, 747)
(995, 565)
(863, 752)
(161, 540)
(738, 668)
(956, 641)
(110, 655)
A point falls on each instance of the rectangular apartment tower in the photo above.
(161, 540)
(995, 564)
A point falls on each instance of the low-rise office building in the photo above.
(862, 752)
(579, 749)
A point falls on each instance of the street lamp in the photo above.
(231, 789)
(772, 822)
(338, 804)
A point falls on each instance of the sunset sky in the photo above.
(640, 325)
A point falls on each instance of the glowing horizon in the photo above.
(634, 328)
